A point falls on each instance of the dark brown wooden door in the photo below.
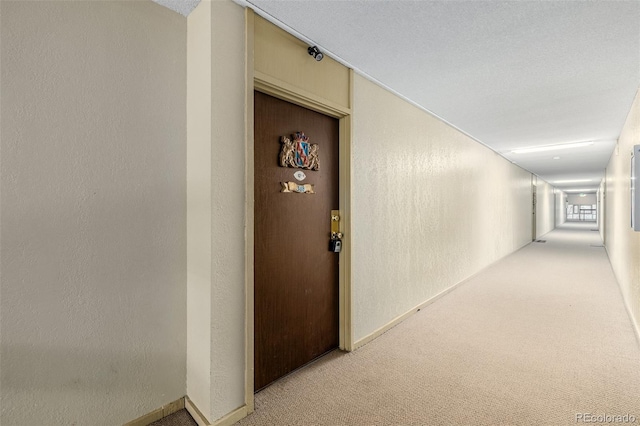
(296, 276)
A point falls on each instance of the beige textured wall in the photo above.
(623, 244)
(545, 204)
(216, 205)
(283, 60)
(199, 205)
(93, 247)
(430, 207)
(228, 219)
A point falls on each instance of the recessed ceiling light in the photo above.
(551, 147)
(573, 181)
(556, 158)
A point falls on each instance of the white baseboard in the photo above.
(228, 420)
(397, 320)
(160, 413)
(422, 305)
(634, 320)
(195, 413)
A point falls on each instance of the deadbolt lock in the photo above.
(335, 222)
(335, 242)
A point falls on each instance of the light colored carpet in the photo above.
(180, 418)
(533, 340)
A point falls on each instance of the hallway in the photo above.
(130, 215)
(537, 338)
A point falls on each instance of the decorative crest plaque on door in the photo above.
(299, 153)
(305, 188)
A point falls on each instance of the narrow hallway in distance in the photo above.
(540, 337)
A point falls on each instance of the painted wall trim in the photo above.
(278, 88)
(186, 403)
(345, 259)
(634, 321)
(249, 212)
(315, 103)
(380, 331)
(157, 414)
(197, 415)
(201, 420)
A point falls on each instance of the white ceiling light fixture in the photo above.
(551, 147)
(581, 190)
(573, 181)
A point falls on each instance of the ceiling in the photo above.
(183, 7)
(511, 74)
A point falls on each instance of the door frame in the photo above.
(257, 81)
